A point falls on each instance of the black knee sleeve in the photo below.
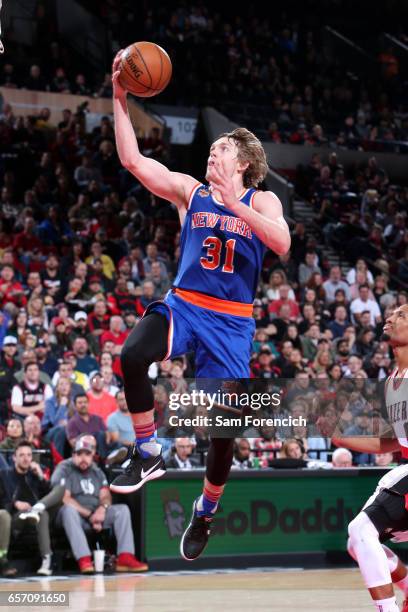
(146, 343)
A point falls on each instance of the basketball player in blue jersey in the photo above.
(226, 226)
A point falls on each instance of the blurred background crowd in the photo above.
(84, 248)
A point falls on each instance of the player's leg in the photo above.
(398, 569)
(146, 343)
(223, 352)
(375, 562)
(161, 332)
(219, 461)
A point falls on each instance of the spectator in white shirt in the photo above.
(29, 396)
(364, 303)
(360, 266)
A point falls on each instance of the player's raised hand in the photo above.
(116, 61)
(222, 182)
(118, 90)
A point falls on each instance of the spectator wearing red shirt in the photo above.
(11, 290)
(275, 306)
(26, 242)
(98, 320)
(117, 332)
(101, 403)
(264, 366)
(124, 300)
(110, 347)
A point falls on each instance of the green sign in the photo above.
(259, 515)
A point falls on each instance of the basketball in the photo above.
(145, 69)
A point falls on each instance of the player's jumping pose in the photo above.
(226, 225)
(385, 514)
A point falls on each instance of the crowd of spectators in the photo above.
(360, 213)
(275, 75)
(84, 249)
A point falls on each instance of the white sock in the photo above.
(38, 507)
(386, 605)
(403, 585)
(153, 448)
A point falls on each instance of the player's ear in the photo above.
(242, 167)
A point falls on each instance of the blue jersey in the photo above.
(220, 254)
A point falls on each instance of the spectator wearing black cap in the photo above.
(264, 367)
(46, 362)
(91, 508)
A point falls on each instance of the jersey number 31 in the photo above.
(213, 258)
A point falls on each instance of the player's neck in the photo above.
(401, 358)
(238, 189)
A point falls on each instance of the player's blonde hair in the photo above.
(250, 150)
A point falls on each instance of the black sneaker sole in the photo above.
(184, 534)
(136, 487)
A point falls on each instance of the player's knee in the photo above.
(360, 529)
(350, 549)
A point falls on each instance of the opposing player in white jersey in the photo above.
(385, 514)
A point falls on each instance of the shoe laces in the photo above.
(134, 458)
(199, 523)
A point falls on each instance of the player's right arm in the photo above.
(367, 445)
(173, 186)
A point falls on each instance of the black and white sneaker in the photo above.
(195, 537)
(138, 472)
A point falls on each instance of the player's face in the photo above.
(396, 327)
(224, 153)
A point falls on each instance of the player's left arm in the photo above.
(265, 218)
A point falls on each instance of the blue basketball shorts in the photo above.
(222, 342)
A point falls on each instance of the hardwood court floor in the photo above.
(276, 589)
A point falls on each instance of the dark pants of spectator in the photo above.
(57, 435)
(75, 525)
(3, 461)
(148, 343)
(52, 502)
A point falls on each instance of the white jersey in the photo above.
(396, 399)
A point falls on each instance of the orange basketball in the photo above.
(145, 69)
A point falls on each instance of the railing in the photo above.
(353, 57)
